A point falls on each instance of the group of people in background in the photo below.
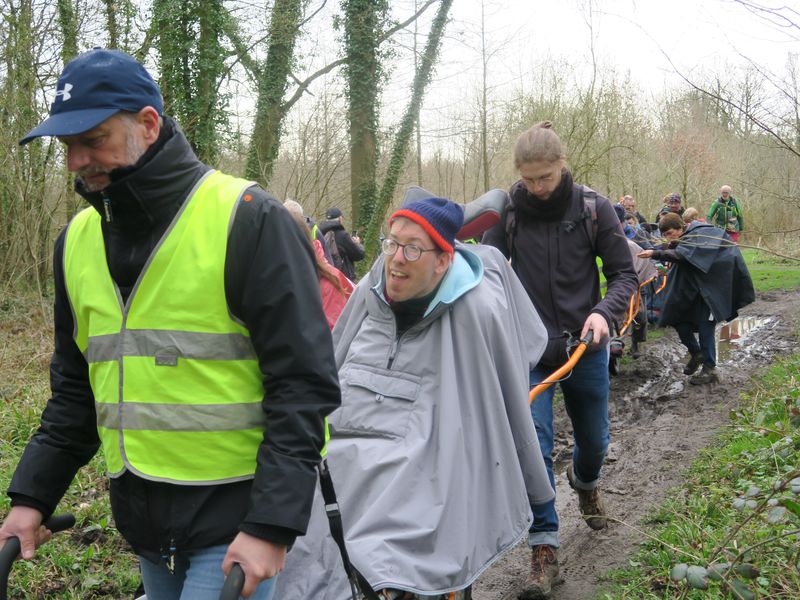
(204, 335)
(709, 281)
(725, 213)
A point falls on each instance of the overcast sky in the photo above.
(630, 34)
(638, 37)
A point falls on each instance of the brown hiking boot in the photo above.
(544, 573)
(695, 360)
(707, 375)
(592, 509)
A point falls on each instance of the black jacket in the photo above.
(271, 286)
(349, 249)
(557, 265)
(709, 268)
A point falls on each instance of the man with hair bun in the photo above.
(553, 230)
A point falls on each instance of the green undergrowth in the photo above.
(771, 272)
(735, 524)
(90, 561)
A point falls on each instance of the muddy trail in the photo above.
(658, 423)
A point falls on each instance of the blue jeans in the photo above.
(706, 347)
(198, 576)
(586, 403)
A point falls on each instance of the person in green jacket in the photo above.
(726, 213)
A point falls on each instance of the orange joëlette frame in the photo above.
(563, 369)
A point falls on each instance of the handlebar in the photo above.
(232, 589)
(11, 549)
(563, 369)
(234, 583)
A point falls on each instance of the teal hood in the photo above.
(465, 272)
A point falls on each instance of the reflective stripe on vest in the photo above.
(176, 381)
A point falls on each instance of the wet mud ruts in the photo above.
(658, 423)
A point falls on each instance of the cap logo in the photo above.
(65, 95)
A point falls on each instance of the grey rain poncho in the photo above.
(434, 456)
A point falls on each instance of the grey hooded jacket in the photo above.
(433, 453)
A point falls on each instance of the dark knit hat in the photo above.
(620, 210)
(440, 218)
(333, 213)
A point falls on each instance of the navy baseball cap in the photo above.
(93, 87)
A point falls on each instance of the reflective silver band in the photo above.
(178, 417)
(184, 344)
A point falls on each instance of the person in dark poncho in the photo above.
(708, 283)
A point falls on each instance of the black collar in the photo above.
(153, 189)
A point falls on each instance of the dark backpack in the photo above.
(588, 218)
(330, 240)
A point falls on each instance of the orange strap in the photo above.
(663, 284)
(558, 373)
(633, 307)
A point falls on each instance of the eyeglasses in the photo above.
(410, 251)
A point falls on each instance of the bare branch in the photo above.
(302, 87)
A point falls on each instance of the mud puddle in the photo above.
(732, 337)
(658, 423)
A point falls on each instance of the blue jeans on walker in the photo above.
(586, 402)
(198, 576)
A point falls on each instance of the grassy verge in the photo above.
(91, 560)
(770, 272)
(737, 518)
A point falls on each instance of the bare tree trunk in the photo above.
(68, 22)
(484, 108)
(26, 240)
(417, 129)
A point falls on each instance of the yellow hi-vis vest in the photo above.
(176, 382)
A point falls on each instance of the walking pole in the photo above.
(563, 369)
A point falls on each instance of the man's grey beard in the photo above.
(135, 150)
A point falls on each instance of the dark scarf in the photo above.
(410, 312)
(552, 209)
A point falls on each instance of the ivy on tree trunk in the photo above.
(270, 108)
(362, 26)
(421, 79)
(191, 61)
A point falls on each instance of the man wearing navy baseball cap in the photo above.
(190, 345)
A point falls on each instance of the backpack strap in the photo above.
(359, 587)
(590, 215)
(509, 219)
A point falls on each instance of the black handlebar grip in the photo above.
(234, 583)
(60, 522)
(12, 548)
